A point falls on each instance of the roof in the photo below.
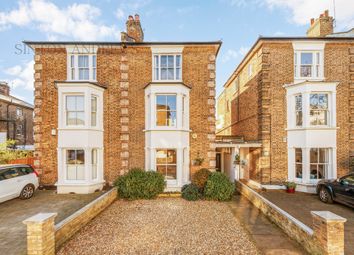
(34, 43)
(15, 100)
(293, 38)
(349, 33)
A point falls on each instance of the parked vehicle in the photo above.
(340, 190)
(17, 181)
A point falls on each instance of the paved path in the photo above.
(301, 204)
(269, 238)
(163, 226)
(13, 212)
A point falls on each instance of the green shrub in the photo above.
(218, 187)
(200, 178)
(9, 153)
(140, 184)
(190, 192)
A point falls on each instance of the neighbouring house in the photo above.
(287, 111)
(16, 119)
(102, 108)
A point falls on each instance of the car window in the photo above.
(25, 170)
(349, 180)
(11, 173)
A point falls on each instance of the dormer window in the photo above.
(82, 67)
(308, 65)
(167, 67)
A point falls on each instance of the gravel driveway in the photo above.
(162, 226)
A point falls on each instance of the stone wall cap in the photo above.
(328, 216)
(40, 218)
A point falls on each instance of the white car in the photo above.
(17, 181)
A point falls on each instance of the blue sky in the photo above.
(238, 23)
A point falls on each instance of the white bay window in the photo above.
(80, 137)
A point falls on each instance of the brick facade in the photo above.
(16, 127)
(276, 70)
(125, 71)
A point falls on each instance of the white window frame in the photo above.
(298, 163)
(250, 70)
(156, 111)
(94, 163)
(66, 165)
(166, 164)
(158, 79)
(91, 110)
(66, 112)
(317, 65)
(328, 120)
(19, 112)
(296, 110)
(325, 164)
(73, 69)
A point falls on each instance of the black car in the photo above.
(340, 190)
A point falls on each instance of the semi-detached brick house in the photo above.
(16, 119)
(102, 108)
(288, 109)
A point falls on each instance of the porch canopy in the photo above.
(229, 141)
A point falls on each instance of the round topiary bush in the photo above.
(218, 187)
(200, 178)
(190, 192)
(140, 184)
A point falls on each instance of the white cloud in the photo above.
(21, 76)
(120, 13)
(77, 21)
(243, 50)
(303, 10)
(234, 54)
(230, 54)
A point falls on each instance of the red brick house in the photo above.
(16, 119)
(102, 108)
(287, 111)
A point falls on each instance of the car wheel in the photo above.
(27, 192)
(325, 196)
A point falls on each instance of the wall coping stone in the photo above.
(328, 216)
(40, 218)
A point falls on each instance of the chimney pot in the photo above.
(4, 88)
(312, 21)
(134, 32)
(326, 13)
(130, 18)
(137, 18)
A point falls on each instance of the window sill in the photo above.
(80, 128)
(312, 128)
(309, 78)
(167, 81)
(167, 129)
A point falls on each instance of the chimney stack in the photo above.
(321, 26)
(134, 31)
(4, 88)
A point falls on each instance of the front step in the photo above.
(170, 194)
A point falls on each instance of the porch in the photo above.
(235, 157)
